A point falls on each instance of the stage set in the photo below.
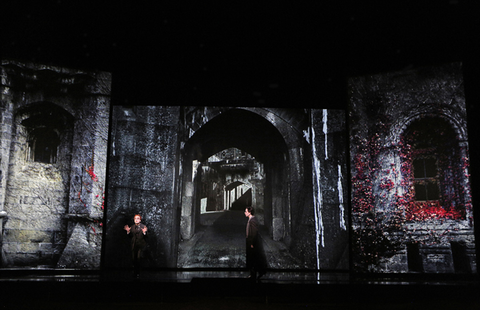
(127, 169)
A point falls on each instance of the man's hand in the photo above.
(144, 229)
(127, 228)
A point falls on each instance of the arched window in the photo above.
(425, 171)
(43, 144)
(46, 126)
(434, 168)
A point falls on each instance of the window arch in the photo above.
(433, 170)
(48, 130)
(43, 145)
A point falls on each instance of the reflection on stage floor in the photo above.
(222, 275)
(230, 289)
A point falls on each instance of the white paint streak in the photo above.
(340, 199)
(204, 116)
(325, 130)
(317, 199)
(195, 164)
(306, 135)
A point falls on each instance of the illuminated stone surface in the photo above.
(54, 126)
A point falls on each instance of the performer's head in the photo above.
(249, 211)
(137, 218)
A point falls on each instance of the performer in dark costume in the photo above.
(138, 233)
(256, 260)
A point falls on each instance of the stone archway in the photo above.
(254, 135)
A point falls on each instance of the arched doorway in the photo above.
(258, 175)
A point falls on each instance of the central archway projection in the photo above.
(237, 158)
(191, 171)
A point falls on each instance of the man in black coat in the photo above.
(256, 261)
(138, 233)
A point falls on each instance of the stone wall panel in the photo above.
(382, 109)
(142, 181)
(42, 197)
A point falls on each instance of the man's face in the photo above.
(137, 219)
(247, 214)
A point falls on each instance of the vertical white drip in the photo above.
(325, 130)
(317, 199)
(340, 199)
(204, 116)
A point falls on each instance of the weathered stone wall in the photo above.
(142, 179)
(39, 198)
(325, 225)
(331, 151)
(382, 108)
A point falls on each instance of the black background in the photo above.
(295, 53)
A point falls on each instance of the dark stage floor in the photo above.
(229, 289)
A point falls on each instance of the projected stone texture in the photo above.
(142, 180)
(329, 170)
(54, 138)
(408, 217)
(162, 167)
